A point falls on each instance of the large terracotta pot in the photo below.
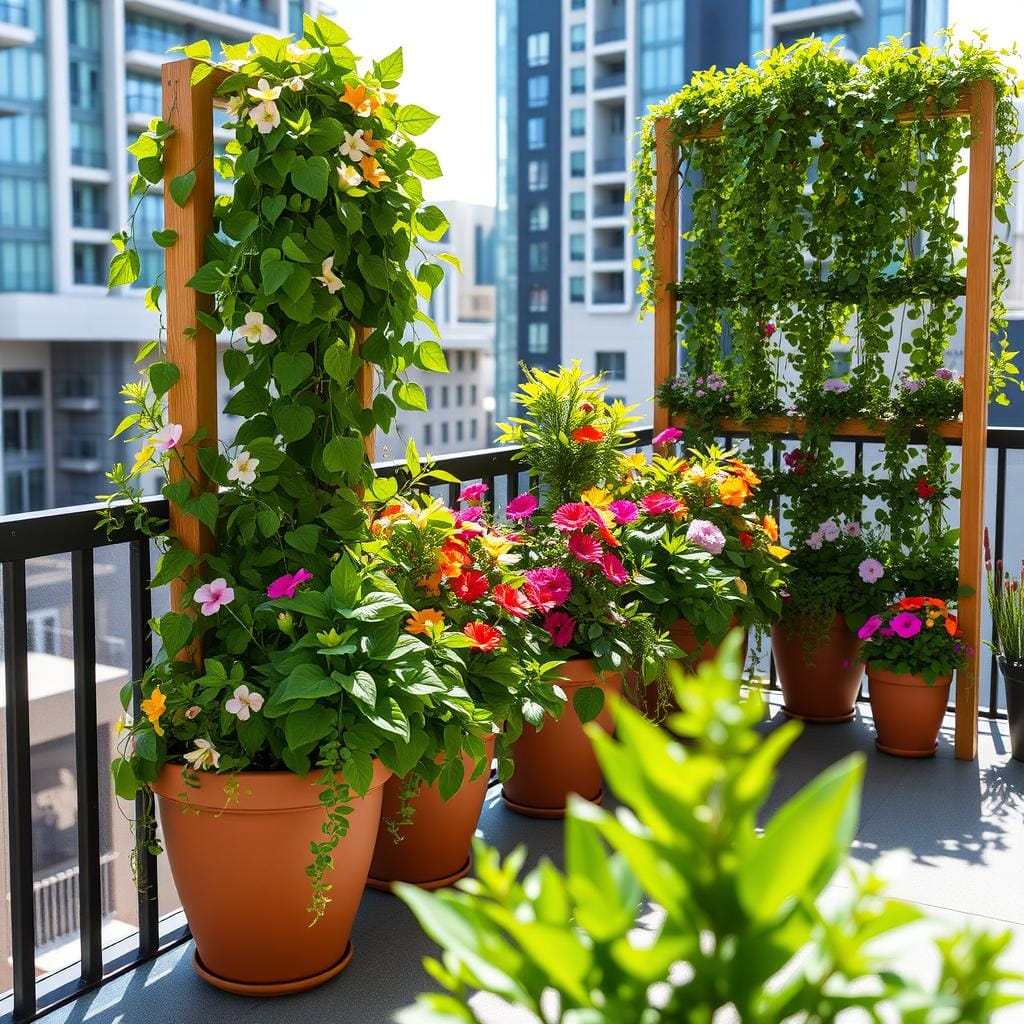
(908, 712)
(239, 866)
(558, 759)
(820, 675)
(434, 848)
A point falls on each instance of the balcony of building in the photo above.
(237, 17)
(14, 25)
(609, 245)
(609, 203)
(788, 16)
(609, 74)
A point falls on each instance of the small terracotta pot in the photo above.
(239, 866)
(908, 712)
(434, 848)
(820, 676)
(558, 759)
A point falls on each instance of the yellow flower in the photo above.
(777, 551)
(153, 707)
(494, 545)
(142, 461)
(741, 585)
(124, 721)
(636, 461)
(596, 497)
(429, 620)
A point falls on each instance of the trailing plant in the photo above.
(918, 636)
(744, 932)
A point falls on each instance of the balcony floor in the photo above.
(962, 825)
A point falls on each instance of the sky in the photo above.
(449, 52)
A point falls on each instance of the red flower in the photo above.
(560, 626)
(924, 489)
(588, 435)
(512, 601)
(585, 548)
(658, 504)
(470, 585)
(606, 535)
(746, 540)
(483, 637)
(586, 406)
(614, 569)
(571, 517)
(911, 604)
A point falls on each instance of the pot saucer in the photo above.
(384, 885)
(270, 988)
(897, 752)
(820, 719)
(545, 812)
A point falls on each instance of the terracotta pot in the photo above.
(908, 712)
(558, 759)
(239, 866)
(694, 655)
(434, 848)
(820, 676)
(1013, 678)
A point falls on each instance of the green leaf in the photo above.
(175, 632)
(124, 269)
(208, 279)
(414, 120)
(152, 300)
(165, 239)
(344, 454)
(200, 50)
(272, 207)
(338, 362)
(174, 561)
(409, 395)
(293, 421)
(306, 682)
(358, 771)
(378, 606)
(361, 685)
(163, 377)
(303, 538)
(310, 176)
(412, 458)
(326, 134)
(305, 727)
(430, 356)
(181, 187)
(432, 223)
(389, 69)
(292, 369)
(126, 785)
(425, 163)
(240, 224)
(375, 271)
(275, 272)
(588, 702)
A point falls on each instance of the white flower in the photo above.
(166, 437)
(243, 702)
(355, 146)
(204, 756)
(349, 177)
(265, 92)
(296, 84)
(256, 329)
(243, 468)
(266, 117)
(329, 278)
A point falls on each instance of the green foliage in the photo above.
(1006, 603)
(740, 931)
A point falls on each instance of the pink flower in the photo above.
(560, 626)
(869, 628)
(286, 585)
(511, 600)
(852, 529)
(906, 625)
(668, 436)
(623, 511)
(193, 712)
(585, 548)
(213, 595)
(706, 535)
(474, 492)
(614, 569)
(871, 570)
(571, 517)
(658, 504)
(469, 515)
(522, 507)
(548, 587)
(167, 437)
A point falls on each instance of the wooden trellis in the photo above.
(977, 102)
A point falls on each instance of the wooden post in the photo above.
(666, 261)
(364, 387)
(192, 401)
(977, 317)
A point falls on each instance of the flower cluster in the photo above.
(916, 636)
(708, 396)
(929, 399)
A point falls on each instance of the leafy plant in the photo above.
(918, 636)
(1006, 603)
(741, 931)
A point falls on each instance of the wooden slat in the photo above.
(192, 401)
(977, 317)
(797, 426)
(666, 262)
(364, 387)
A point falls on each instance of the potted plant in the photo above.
(1006, 602)
(911, 651)
(287, 688)
(456, 568)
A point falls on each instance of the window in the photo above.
(578, 5)
(538, 90)
(537, 338)
(537, 132)
(458, 430)
(577, 122)
(85, 24)
(539, 217)
(577, 206)
(444, 433)
(538, 49)
(460, 395)
(577, 289)
(538, 298)
(90, 264)
(428, 434)
(536, 175)
(472, 430)
(428, 394)
(577, 247)
(618, 120)
(42, 631)
(89, 205)
(538, 257)
(611, 364)
(472, 394)
(472, 361)
(88, 146)
(84, 80)
(578, 163)
(143, 95)
(24, 266)
(577, 80)
(460, 361)
(578, 38)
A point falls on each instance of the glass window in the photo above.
(84, 78)
(577, 121)
(89, 205)
(428, 394)
(444, 433)
(23, 139)
(84, 24)
(536, 132)
(538, 90)
(577, 80)
(472, 430)
(444, 396)
(577, 248)
(460, 362)
(24, 203)
(577, 289)
(142, 95)
(578, 163)
(428, 434)
(578, 38)
(90, 264)
(578, 5)
(577, 205)
(472, 394)
(536, 174)
(538, 298)
(458, 430)
(539, 217)
(460, 395)
(538, 256)
(88, 146)
(611, 364)
(538, 49)
(537, 338)
(24, 266)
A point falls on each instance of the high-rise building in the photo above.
(78, 80)
(574, 77)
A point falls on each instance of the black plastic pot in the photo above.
(1013, 677)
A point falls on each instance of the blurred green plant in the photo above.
(738, 929)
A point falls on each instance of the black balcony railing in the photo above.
(611, 80)
(14, 14)
(610, 34)
(83, 891)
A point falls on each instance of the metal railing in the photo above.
(610, 80)
(609, 164)
(608, 253)
(610, 34)
(90, 219)
(57, 902)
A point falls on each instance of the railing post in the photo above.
(666, 262)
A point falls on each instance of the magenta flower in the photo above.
(657, 504)
(706, 535)
(871, 570)
(668, 436)
(547, 587)
(623, 511)
(469, 515)
(522, 507)
(614, 569)
(585, 548)
(571, 517)
(286, 585)
(560, 626)
(869, 628)
(474, 492)
(214, 595)
(906, 625)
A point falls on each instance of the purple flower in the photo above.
(837, 385)
(699, 393)
(852, 529)
(911, 385)
(716, 382)
(871, 570)
(829, 530)
(668, 436)
(706, 535)
(869, 628)
(623, 511)
(814, 541)
(944, 373)
(906, 625)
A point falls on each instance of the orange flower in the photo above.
(372, 171)
(911, 604)
(370, 141)
(153, 707)
(482, 636)
(431, 584)
(429, 620)
(951, 625)
(362, 102)
(744, 472)
(770, 527)
(451, 558)
(733, 491)
(588, 435)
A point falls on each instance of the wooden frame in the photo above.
(977, 102)
(191, 346)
